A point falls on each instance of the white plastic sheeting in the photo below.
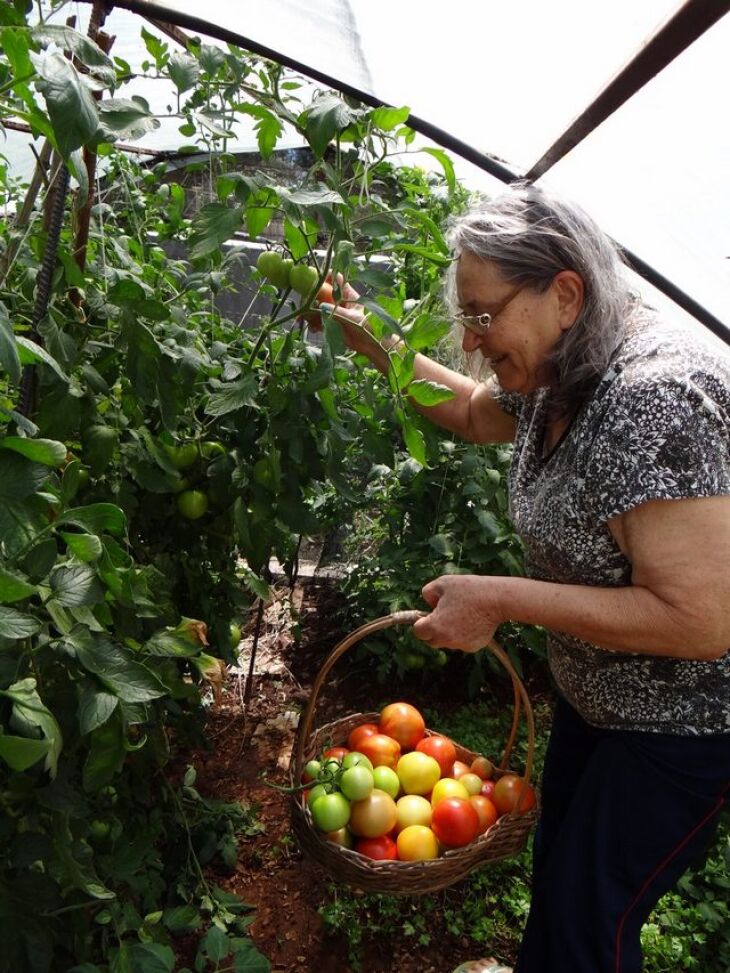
(508, 78)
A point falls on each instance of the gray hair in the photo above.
(531, 235)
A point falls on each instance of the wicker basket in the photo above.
(505, 838)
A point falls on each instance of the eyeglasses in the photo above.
(479, 324)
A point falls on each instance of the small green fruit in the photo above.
(192, 504)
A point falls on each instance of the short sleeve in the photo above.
(657, 439)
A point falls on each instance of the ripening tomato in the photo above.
(380, 849)
(381, 750)
(441, 749)
(413, 809)
(448, 787)
(343, 837)
(404, 723)
(458, 769)
(487, 788)
(455, 822)
(482, 767)
(486, 810)
(417, 843)
(336, 753)
(510, 789)
(325, 295)
(472, 783)
(374, 816)
(359, 733)
(417, 772)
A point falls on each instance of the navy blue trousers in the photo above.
(624, 814)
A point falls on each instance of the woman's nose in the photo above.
(470, 341)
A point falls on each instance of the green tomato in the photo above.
(331, 812)
(356, 783)
(274, 268)
(356, 759)
(234, 635)
(192, 504)
(210, 448)
(183, 457)
(303, 279)
(311, 771)
(83, 478)
(319, 790)
(386, 779)
(99, 830)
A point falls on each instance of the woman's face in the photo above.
(524, 331)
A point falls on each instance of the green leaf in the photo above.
(446, 164)
(247, 959)
(98, 518)
(19, 477)
(71, 107)
(143, 360)
(211, 58)
(30, 715)
(76, 584)
(31, 353)
(268, 127)
(106, 753)
(14, 587)
(429, 393)
(86, 547)
(17, 625)
(389, 118)
(181, 919)
(258, 217)
(125, 118)
(310, 197)
(212, 226)
(16, 45)
(233, 395)
(98, 445)
(9, 359)
(425, 331)
(415, 442)
(156, 47)
(89, 53)
(95, 708)
(142, 958)
(115, 666)
(326, 117)
(45, 451)
(20, 753)
(184, 71)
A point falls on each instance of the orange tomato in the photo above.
(404, 723)
(359, 733)
(335, 753)
(381, 750)
(486, 810)
(510, 789)
(417, 843)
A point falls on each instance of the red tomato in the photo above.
(509, 790)
(359, 734)
(325, 295)
(381, 750)
(381, 849)
(458, 769)
(482, 767)
(486, 810)
(404, 723)
(455, 822)
(441, 749)
(336, 753)
(487, 788)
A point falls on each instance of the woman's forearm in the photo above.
(626, 619)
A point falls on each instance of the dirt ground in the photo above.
(252, 746)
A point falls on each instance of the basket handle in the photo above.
(408, 618)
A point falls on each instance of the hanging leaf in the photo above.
(17, 625)
(268, 127)
(14, 587)
(429, 393)
(16, 45)
(115, 666)
(184, 71)
(212, 226)
(45, 451)
(71, 107)
(327, 116)
(20, 753)
(415, 442)
(143, 359)
(19, 477)
(29, 715)
(234, 395)
(125, 118)
(211, 58)
(98, 518)
(88, 52)
(446, 164)
(30, 354)
(95, 708)
(106, 753)
(76, 584)
(389, 118)
(86, 547)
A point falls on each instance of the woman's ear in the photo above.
(569, 291)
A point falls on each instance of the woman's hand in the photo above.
(465, 612)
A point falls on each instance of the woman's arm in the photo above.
(473, 414)
(678, 604)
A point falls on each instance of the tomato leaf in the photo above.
(388, 118)
(71, 107)
(17, 625)
(98, 518)
(48, 452)
(212, 226)
(14, 587)
(9, 359)
(429, 393)
(327, 116)
(184, 71)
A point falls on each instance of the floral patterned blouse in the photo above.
(656, 427)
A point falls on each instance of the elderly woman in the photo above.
(620, 491)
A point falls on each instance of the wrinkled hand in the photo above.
(465, 612)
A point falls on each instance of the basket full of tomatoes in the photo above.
(387, 805)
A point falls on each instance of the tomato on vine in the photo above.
(192, 504)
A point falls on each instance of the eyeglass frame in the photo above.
(476, 323)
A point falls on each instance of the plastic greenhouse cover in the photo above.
(508, 79)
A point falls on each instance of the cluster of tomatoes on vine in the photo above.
(399, 792)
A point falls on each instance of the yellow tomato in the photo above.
(413, 809)
(417, 773)
(448, 787)
(374, 816)
(472, 782)
(417, 843)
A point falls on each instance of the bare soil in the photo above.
(251, 745)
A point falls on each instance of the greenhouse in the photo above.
(365, 487)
